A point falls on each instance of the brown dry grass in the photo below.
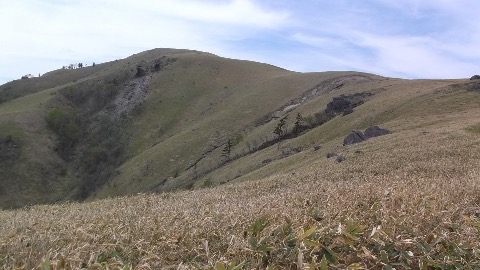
(427, 184)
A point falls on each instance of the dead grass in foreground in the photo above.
(397, 206)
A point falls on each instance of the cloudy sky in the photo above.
(397, 38)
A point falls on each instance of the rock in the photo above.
(266, 161)
(297, 149)
(347, 111)
(140, 72)
(475, 77)
(339, 104)
(356, 136)
(359, 152)
(317, 147)
(330, 155)
(375, 131)
(340, 159)
(318, 215)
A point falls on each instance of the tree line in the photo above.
(71, 66)
(77, 65)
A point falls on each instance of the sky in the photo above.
(395, 38)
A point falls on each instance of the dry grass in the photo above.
(409, 199)
(408, 192)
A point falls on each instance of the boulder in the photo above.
(340, 159)
(317, 147)
(330, 155)
(375, 131)
(475, 77)
(356, 136)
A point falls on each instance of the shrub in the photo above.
(64, 124)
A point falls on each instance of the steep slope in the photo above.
(409, 199)
(191, 113)
(245, 147)
(163, 119)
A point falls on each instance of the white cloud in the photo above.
(415, 55)
(103, 30)
(411, 38)
(317, 41)
(236, 12)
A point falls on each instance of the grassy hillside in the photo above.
(238, 152)
(408, 199)
(135, 124)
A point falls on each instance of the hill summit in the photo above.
(166, 119)
(233, 164)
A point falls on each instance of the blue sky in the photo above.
(396, 38)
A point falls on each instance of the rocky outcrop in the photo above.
(140, 72)
(475, 77)
(345, 103)
(375, 131)
(356, 136)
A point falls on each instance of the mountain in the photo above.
(233, 164)
(165, 120)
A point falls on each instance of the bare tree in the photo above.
(227, 150)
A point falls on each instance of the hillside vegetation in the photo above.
(225, 162)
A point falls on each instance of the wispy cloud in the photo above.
(70, 31)
(411, 38)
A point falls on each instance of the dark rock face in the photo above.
(140, 72)
(347, 111)
(375, 131)
(345, 104)
(475, 77)
(356, 136)
(339, 104)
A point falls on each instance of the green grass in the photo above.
(406, 199)
(474, 128)
(201, 100)
(24, 87)
(186, 115)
